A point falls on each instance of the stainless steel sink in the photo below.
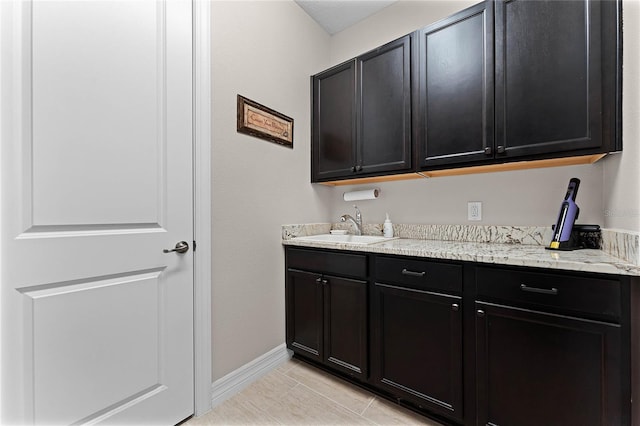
(351, 239)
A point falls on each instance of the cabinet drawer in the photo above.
(421, 274)
(565, 292)
(325, 262)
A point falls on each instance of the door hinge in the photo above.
(194, 245)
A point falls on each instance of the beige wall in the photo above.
(622, 172)
(265, 51)
(527, 197)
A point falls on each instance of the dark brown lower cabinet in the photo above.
(345, 325)
(471, 344)
(327, 318)
(417, 347)
(536, 368)
(304, 314)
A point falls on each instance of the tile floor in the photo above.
(299, 394)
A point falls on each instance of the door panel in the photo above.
(456, 81)
(384, 108)
(96, 175)
(536, 368)
(346, 325)
(114, 366)
(87, 105)
(418, 347)
(304, 313)
(334, 130)
(548, 76)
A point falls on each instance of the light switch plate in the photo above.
(474, 210)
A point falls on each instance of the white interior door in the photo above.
(96, 180)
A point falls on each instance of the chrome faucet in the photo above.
(357, 221)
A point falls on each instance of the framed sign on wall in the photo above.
(262, 122)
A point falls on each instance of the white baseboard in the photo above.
(229, 385)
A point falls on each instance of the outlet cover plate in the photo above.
(474, 210)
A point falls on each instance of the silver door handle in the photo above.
(181, 247)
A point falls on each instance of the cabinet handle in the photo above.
(325, 282)
(488, 150)
(318, 280)
(501, 149)
(353, 168)
(552, 290)
(413, 274)
(358, 168)
(480, 313)
(455, 307)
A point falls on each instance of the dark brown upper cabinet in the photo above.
(455, 119)
(501, 81)
(334, 122)
(519, 79)
(362, 115)
(551, 76)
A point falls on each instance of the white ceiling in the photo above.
(336, 15)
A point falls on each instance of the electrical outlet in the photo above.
(474, 210)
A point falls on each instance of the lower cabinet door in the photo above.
(417, 347)
(345, 325)
(542, 369)
(304, 313)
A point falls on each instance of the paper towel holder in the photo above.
(365, 194)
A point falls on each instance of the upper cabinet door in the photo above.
(455, 118)
(334, 123)
(384, 108)
(548, 76)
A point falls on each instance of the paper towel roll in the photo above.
(366, 194)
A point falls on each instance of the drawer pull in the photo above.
(413, 274)
(552, 291)
(455, 307)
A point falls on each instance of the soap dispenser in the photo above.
(387, 227)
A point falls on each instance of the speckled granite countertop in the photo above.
(530, 255)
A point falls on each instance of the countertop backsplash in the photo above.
(624, 245)
(528, 235)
